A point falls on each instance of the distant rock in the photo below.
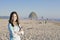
(33, 15)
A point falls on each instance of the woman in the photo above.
(14, 27)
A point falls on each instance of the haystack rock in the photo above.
(33, 15)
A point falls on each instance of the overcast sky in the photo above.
(46, 8)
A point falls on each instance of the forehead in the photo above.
(14, 15)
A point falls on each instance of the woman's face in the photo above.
(14, 17)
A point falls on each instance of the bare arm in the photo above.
(20, 32)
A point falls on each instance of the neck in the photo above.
(14, 22)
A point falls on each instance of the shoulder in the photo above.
(20, 26)
(9, 23)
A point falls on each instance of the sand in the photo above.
(33, 29)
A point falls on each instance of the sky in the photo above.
(45, 8)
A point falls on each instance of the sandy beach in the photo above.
(33, 29)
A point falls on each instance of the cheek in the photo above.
(12, 18)
(15, 18)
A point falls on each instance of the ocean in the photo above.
(7, 17)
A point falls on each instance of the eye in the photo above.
(14, 15)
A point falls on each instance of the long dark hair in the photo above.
(10, 19)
